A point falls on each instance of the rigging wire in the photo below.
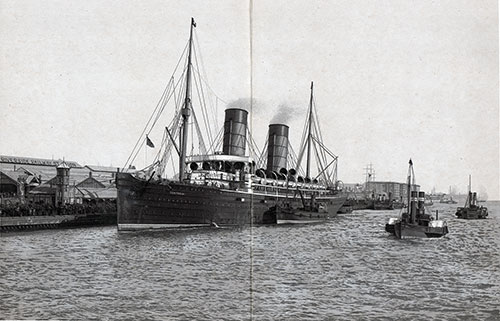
(154, 111)
(303, 140)
(201, 97)
(203, 108)
(204, 71)
(319, 135)
(217, 142)
(147, 124)
(253, 147)
(201, 143)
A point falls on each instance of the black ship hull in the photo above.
(414, 222)
(291, 213)
(166, 204)
(382, 206)
(302, 217)
(345, 209)
(472, 213)
(401, 230)
(357, 204)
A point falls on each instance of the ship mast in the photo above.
(186, 109)
(468, 202)
(410, 207)
(309, 137)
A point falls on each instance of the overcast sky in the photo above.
(393, 79)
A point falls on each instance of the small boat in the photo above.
(382, 205)
(292, 215)
(414, 222)
(385, 205)
(356, 204)
(447, 199)
(397, 204)
(471, 210)
(345, 209)
(428, 201)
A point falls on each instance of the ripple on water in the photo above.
(347, 269)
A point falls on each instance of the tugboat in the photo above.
(414, 222)
(471, 210)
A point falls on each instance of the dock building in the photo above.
(37, 179)
(386, 190)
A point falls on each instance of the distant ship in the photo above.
(385, 205)
(222, 188)
(435, 197)
(447, 200)
(353, 204)
(414, 222)
(471, 210)
(428, 201)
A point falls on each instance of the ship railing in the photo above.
(283, 190)
(239, 181)
(220, 179)
(437, 223)
(288, 184)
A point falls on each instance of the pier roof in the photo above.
(106, 169)
(94, 193)
(35, 161)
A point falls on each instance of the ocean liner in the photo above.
(214, 186)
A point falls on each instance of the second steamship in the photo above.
(232, 185)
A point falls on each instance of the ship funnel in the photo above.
(235, 132)
(277, 147)
(421, 199)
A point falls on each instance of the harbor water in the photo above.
(346, 269)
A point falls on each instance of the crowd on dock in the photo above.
(45, 209)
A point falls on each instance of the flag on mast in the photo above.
(149, 142)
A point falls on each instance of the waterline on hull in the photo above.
(138, 227)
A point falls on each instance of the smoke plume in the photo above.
(248, 104)
(285, 114)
